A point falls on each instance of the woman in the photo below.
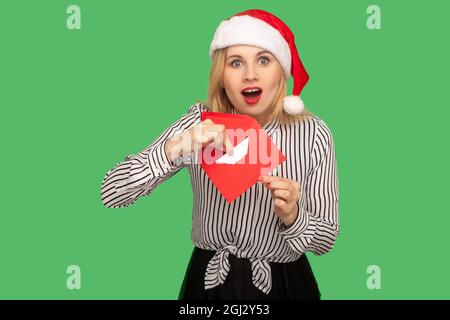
(253, 247)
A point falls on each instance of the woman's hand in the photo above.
(199, 136)
(285, 194)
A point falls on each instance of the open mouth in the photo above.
(252, 95)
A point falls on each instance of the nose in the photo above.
(250, 73)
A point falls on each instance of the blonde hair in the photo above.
(218, 100)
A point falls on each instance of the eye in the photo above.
(233, 64)
(266, 59)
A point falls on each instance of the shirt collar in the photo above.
(271, 126)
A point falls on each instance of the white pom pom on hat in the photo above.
(293, 104)
(262, 29)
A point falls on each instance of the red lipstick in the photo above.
(251, 95)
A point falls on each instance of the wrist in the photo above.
(172, 148)
(290, 219)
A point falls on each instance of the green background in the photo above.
(75, 102)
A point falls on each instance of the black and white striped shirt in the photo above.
(247, 227)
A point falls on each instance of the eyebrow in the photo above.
(238, 56)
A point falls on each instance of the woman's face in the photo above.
(248, 67)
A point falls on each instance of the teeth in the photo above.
(252, 90)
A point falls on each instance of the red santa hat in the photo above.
(263, 29)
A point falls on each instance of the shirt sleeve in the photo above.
(141, 173)
(317, 225)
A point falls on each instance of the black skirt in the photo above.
(290, 281)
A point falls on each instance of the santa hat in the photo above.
(263, 29)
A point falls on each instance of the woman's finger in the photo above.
(223, 140)
(275, 182)
(220, 139)
(208, 121)
(269, 179)
(208, 137)
(228, 146)
(285, 195)
(281, 183)
(278, 185)
(279, 202)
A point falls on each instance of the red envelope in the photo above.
(254, 154)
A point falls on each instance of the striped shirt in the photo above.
(248, 227)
